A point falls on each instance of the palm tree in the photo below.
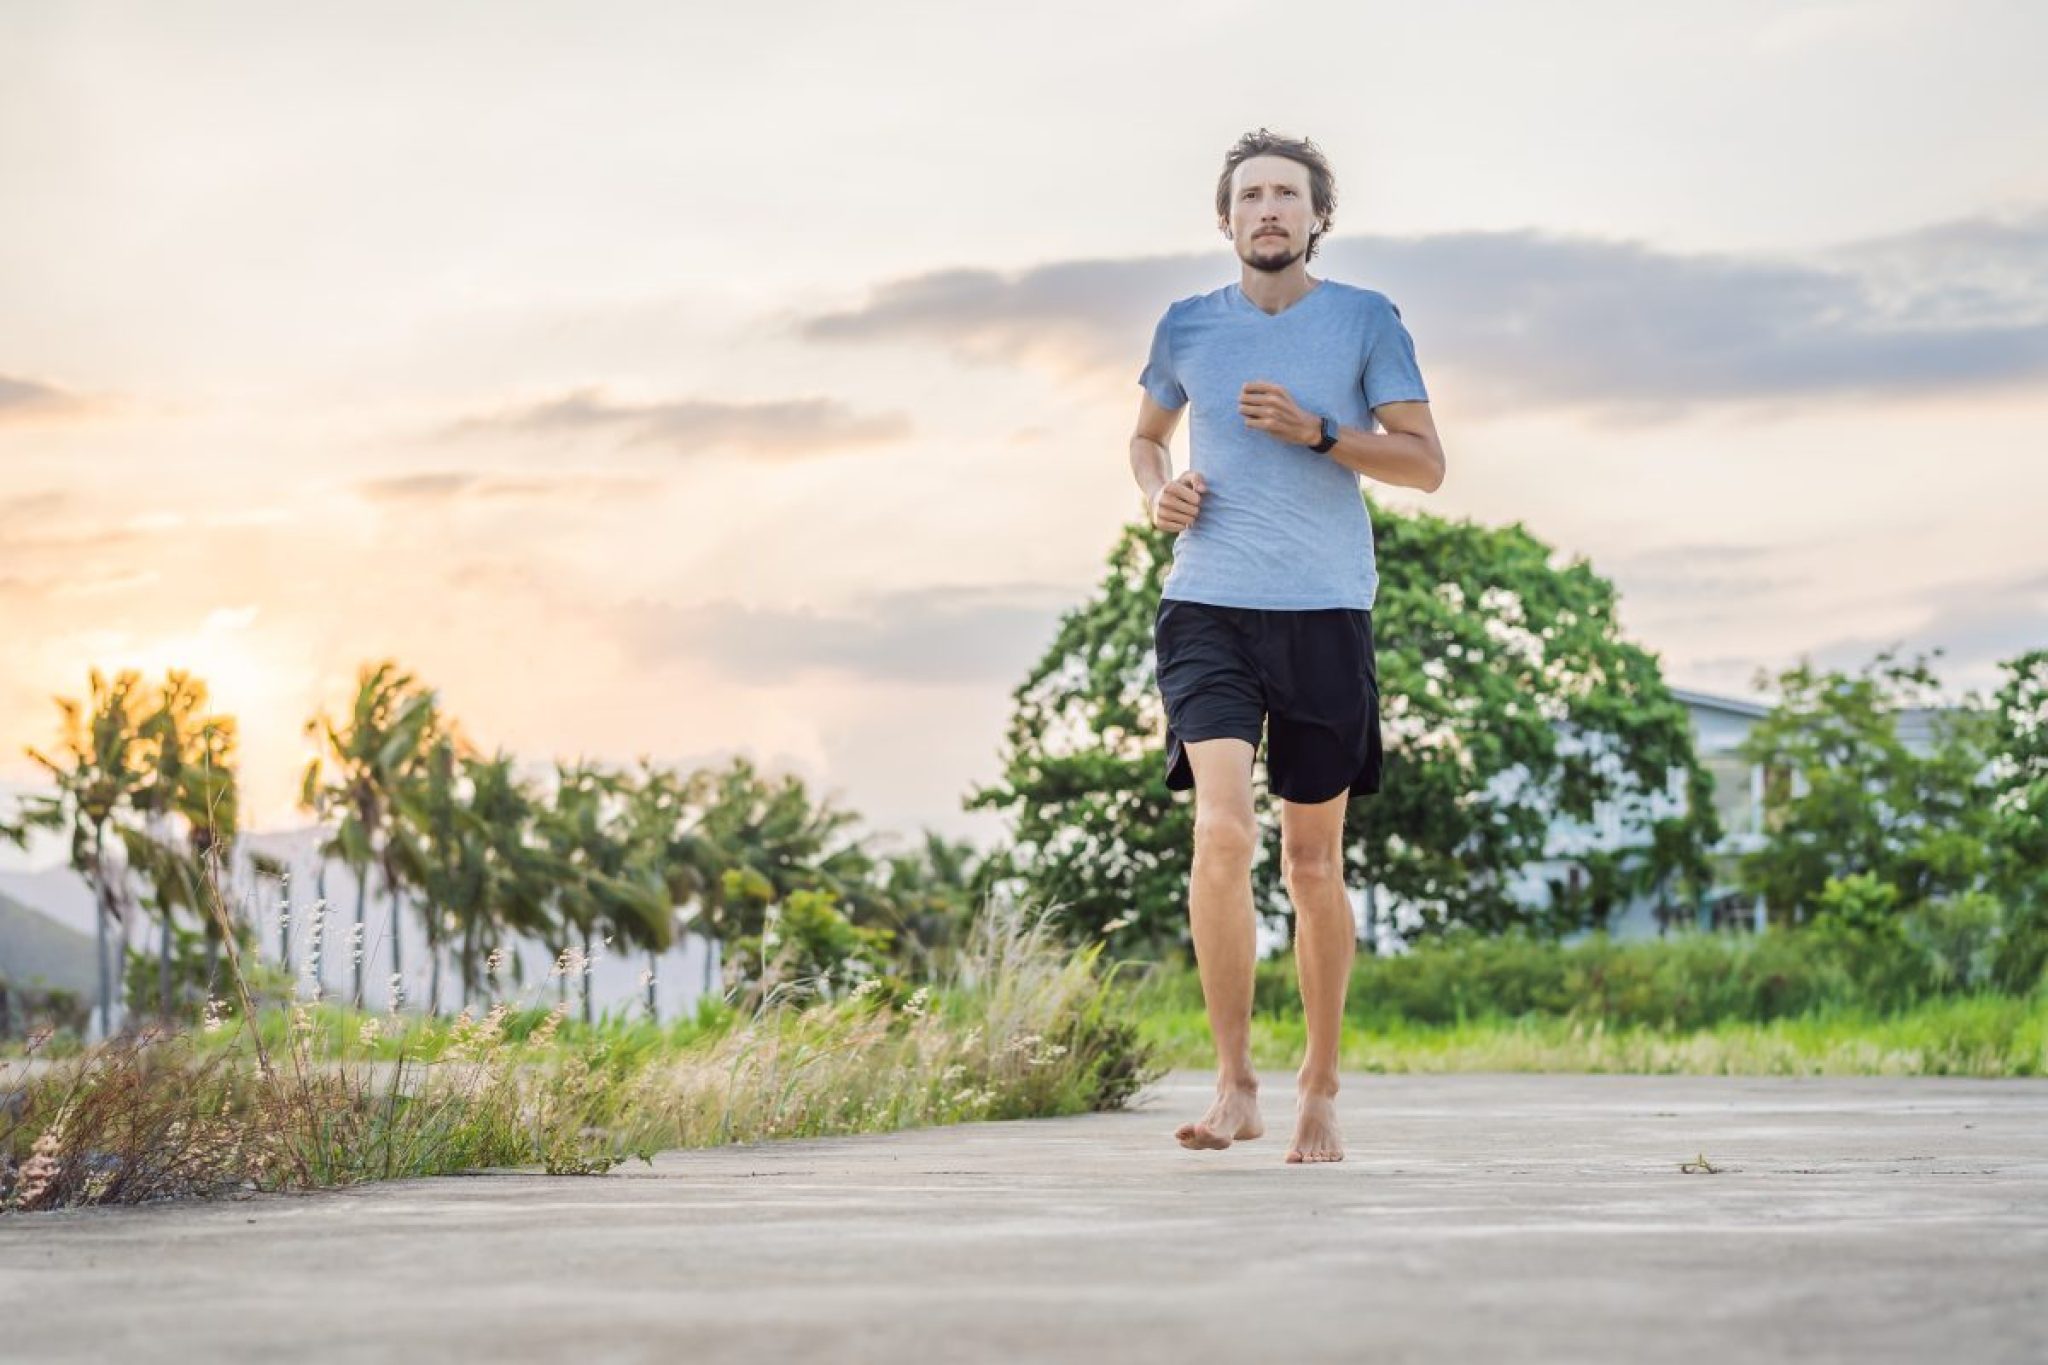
(96, 783)
(771, 828)
(608, 881)
(569, 827)
(191, 779)
(662, 853)
(927, 896)
(512, 875)
(434, 830)
(372, 760)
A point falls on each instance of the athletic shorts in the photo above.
(1308, 676)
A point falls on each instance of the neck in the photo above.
(1274, 292)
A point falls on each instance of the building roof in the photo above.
(1709, 701)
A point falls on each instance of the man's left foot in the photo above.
(1315, 1130)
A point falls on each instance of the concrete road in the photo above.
(1476, 1218)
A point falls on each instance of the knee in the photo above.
(1310, 873)
(1226, 837)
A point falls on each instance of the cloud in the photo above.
(1976, 626)
(778, 430)
(1070, 317)
(456, 485)
(948, 635)
(19, 507)
(23, 399)
(1698, 572)
(1519, 321)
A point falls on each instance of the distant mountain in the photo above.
(37, 951)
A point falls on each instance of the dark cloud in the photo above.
(947, 635)
(455, 485)
(786, 429)
(25, 398)
(1528, 320)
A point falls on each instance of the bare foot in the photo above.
(1315, 1130)
(1234, 1117)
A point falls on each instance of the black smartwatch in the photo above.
(1329, 436)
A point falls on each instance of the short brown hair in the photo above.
(1322, 181)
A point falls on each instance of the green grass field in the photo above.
(1978, 1035)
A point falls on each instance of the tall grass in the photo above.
(314, 1097)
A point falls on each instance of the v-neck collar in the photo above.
(1242, 301)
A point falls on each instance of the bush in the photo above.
(2020, 966)
(1959, 936)
(1860, 952)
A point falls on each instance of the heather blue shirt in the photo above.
(1281, 526)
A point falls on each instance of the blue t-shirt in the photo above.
(1280, 525)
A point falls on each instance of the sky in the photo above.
(683, 381)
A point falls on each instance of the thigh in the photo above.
(1209, 684)
(1222, 770)
(1323, 738)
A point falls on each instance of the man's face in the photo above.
(1271, 212)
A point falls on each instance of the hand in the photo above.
(1271, 408)
(1175, 504)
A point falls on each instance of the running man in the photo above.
(1265, 618)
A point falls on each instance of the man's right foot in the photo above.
(1234, 1117)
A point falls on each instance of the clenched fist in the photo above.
(1177, 502)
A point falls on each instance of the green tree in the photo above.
(927, 898)
(805, 937)
(1508, 700)
(1845, 795)
(2019, 814)
(103, 764)
(745, 820)
(371, 761)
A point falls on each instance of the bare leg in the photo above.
(1325, 941)
(1220, 916)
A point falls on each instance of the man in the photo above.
(1266, 616)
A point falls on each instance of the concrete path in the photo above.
(1476, 1218)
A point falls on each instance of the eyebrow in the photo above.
(1276, 184)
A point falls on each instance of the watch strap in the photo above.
(1328, 438)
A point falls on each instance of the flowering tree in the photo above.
(1508, 700)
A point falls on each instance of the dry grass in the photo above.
(1024, 1027)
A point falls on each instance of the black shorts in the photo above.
(1310, 675)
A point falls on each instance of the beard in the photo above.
(1272, 254)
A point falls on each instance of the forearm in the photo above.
(1397, 457)
(1151, 466)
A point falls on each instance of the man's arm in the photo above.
(1151, 461)
(1409, 453)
